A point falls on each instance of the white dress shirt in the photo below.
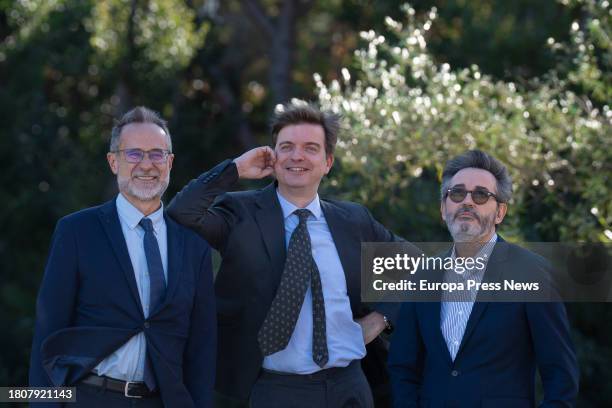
(344, 335)
(127, 362)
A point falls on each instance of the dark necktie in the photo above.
(157, 283)
(300, 271)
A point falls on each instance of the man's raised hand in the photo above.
(256, 163)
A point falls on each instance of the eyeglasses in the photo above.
(157, 156)
(480, 195)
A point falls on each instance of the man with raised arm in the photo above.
(292, 327)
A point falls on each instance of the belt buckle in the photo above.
(126, 390)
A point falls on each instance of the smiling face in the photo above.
(301, 160)
(468, 221)
(142, 183)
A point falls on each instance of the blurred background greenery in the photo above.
(527, 80)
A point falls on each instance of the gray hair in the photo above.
(479, 160)
(140, 114)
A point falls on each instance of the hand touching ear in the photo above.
(256, 163)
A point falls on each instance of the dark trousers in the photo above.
(332, 388)
(88, 396)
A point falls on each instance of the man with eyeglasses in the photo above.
(461, 352)
(126, 309)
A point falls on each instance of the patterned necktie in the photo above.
(157, 284)
(300, 271)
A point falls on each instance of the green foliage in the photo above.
(504, 38)
(406, 115)
(587, 58)
(164, 31)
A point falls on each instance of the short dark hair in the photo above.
(299, 112)
(479, 160)
(139, 114)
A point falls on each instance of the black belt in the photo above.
(324, 374)
(130, 389)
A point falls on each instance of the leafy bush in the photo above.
(406, 115)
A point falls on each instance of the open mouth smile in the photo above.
(145, 178)
(297, 169)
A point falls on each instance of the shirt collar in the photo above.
(131, 215)
(288, 208)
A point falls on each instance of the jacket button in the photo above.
(146, 325)
(454, 373)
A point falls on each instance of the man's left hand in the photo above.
(372, 325)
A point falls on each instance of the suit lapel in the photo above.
(176, 241)
(431, 320)
(348, 247)
(492, 274)
(431, 315)
(269, 218)
(110, 222)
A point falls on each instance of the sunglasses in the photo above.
(157, 156)
(479, 196)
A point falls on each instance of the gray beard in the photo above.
(461, 231)
(143, 194)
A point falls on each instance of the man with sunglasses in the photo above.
(461, 352)
(126, 309)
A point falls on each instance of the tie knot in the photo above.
(302, 214)
(146, 224)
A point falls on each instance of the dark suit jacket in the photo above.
(496, 362)
(248, 229)
(88, 306)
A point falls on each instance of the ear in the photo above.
(112, 162)
(329, 161)
(443, 210)
(502, 208)
(170, 161)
